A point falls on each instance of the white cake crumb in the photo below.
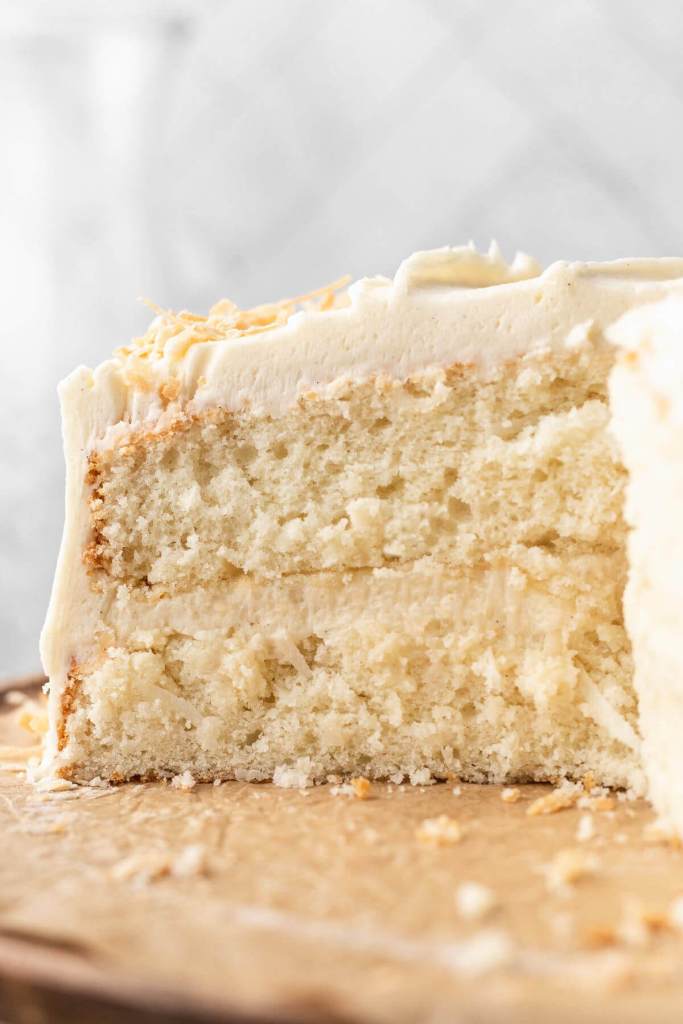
(190, 862)
(474, 901)
(510, 795)
(567, 868)
(359, 788)
(457, 791)
(439, 831)
(421, 777)
(147, 866)
(585, 829)
(184, 781)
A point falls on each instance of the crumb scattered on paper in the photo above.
(569, 867)
(602, 802)
(474, 901)
(565, 795)
(146, 866)
(359, 788)
(585, 829)
(440, 831)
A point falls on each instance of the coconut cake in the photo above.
(377, 531)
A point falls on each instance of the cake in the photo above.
(646, 390)
(374, 532)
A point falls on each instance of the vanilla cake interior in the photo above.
(374, 532)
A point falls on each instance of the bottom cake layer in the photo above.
(515, 672)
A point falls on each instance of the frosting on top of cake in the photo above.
(444, 306)
(171, 334)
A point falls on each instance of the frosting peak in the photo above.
(463, 266)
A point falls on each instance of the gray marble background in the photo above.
(189, 149)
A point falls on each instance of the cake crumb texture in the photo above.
(406, 577)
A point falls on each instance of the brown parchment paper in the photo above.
(249, 901)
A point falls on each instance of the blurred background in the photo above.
(190, 149)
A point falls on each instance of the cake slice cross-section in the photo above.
(375, 532)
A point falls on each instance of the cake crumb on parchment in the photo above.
(146, 866)
(441, 831)
(565, 795)
(585, 830)
(360, 788)
(569, 867)
(474, 901)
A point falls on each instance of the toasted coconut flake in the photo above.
(173, 333)
(564, 796)
(361, 787)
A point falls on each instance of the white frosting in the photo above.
(653, 337)
(647, 410)
(443, 307)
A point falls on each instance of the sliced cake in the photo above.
(375, 531)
